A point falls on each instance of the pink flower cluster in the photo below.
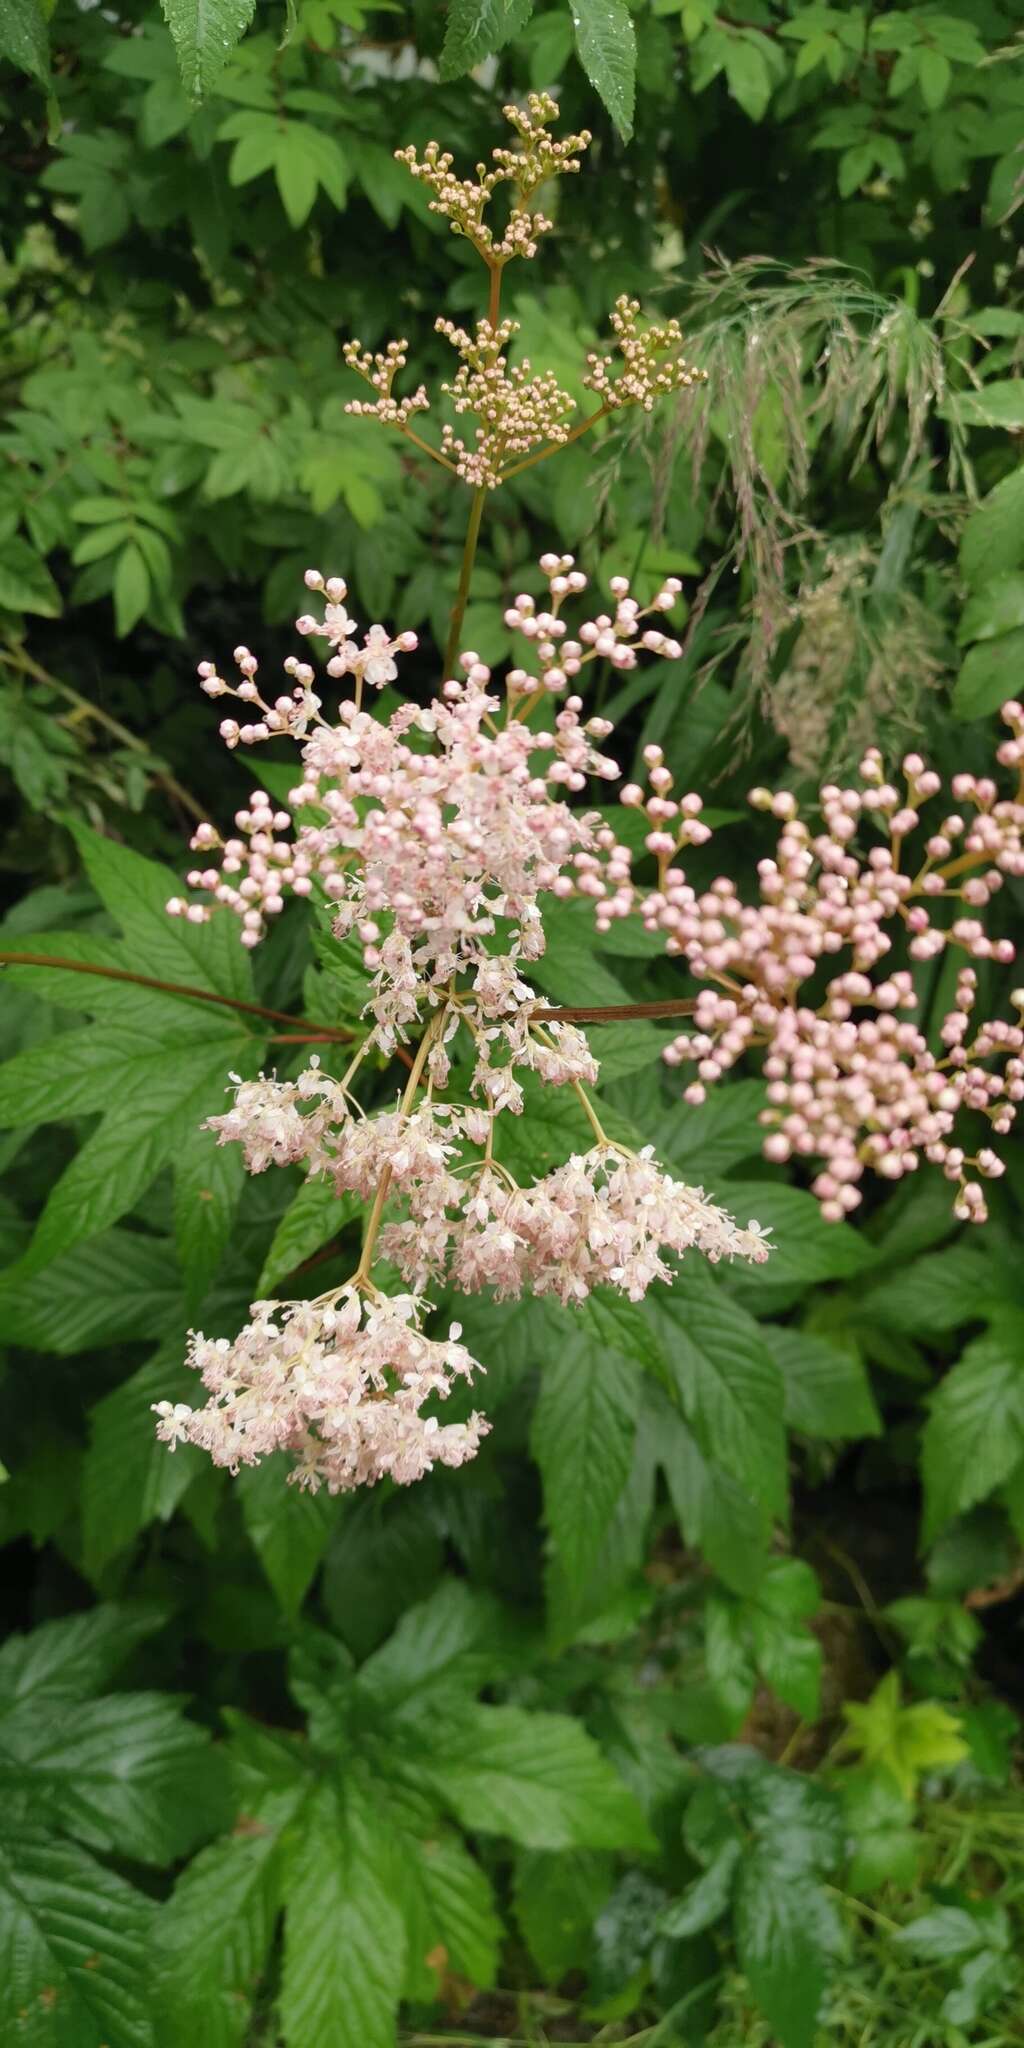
(853, 1082)
(339, 1383)
(434, 835)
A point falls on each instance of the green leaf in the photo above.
(449, 1913)
(131, 589)
(121, 1287)
(128, 1774)
(131, 1479)
(120, 1159)
(993, 536)
(23, 38)
(995, 608)
(905, 1741)
(748, 73)
(557, 1900)
(582, 1435)
(886, 1849)
(135, 891)
(537, 1778)
(935, 1293)
(942, 1935)
(789, 1657)
(289, 1529)
(989, 675)
(606, 46)
(344, 1948)
(826, 1389)
(974, 1435)
(25, 582)
(205, 32)
(703, 1140)
(934, 76)
(729, 1386)
(316, 1215)
(72, 1947)
(706, 1899)
(477, 29)
(208, 1183)
(999, 404)
(76, 1656)
(450, 1642)
(786, 1933)
(804, 1247)
(210, 1941)
(715, 1514)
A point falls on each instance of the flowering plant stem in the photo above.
(361, 1276)
(476, 513)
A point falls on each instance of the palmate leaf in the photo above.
(72, 1947)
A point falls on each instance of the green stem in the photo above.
(362, 1272)
(476, 513)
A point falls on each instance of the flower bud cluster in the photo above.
(464, 201)
(516, 408)
(651, 364)
(379, 371)
(809, 974)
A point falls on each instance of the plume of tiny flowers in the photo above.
(339, 1383)
(809, 976)
(434, 836)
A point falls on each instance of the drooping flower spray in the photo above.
(434, 836)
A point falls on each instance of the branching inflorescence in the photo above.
(807, 976)
(430, 839)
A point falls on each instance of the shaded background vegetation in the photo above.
(666, 1601)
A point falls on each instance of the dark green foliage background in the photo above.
(553, 1748)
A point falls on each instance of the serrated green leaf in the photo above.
(450, 1914)
(288, 1528)
(205, 32)
(136, 891)
(131, 1479)
(993, 536)
(905, 1741)
(804, 1247)
(989, 675)
(76, 1656)
(886, 1848)
(451, 1643)
(128, 1774)
(606, 47)
(477, 29)
(728, 1384)
(344, 1948)
(998, 404)
(707, 1899)
(23, 38)
(537, 1778)
(119, 1288)
(25, 582)
(557, 1899)
(210, 1941)
(317, 1214)
(72, 1947)
(582, 1437)
(974, 1435)
(995, 608)
(715, 1514)
(786, 1935)
(826, 1391)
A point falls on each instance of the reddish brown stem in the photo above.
(613, 1013)
(172, 988)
